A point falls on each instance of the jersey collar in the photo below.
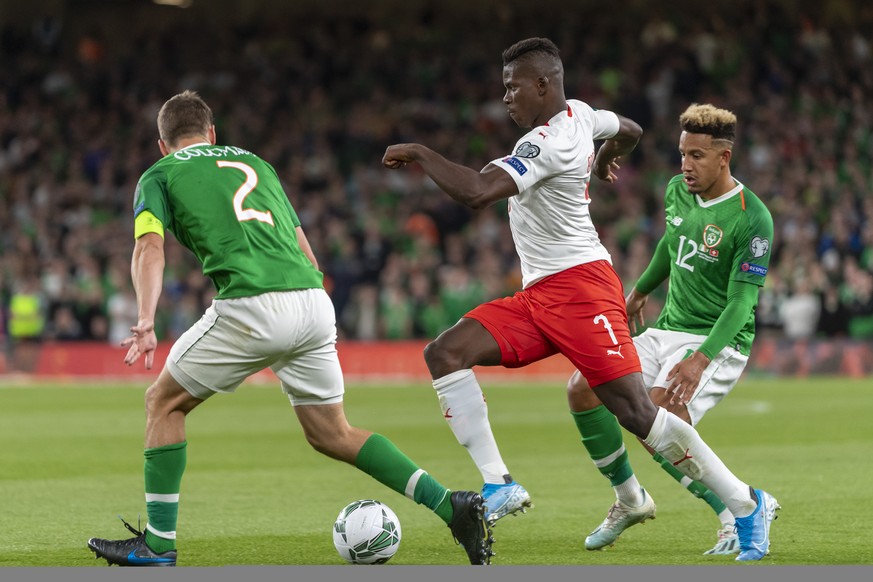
(569, 113)
(726, 196)
(194, 145)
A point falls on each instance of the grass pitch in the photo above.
(254, 493)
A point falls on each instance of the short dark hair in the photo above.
(710, 120)
(541, 46)
(184, 115)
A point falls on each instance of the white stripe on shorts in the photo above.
(163, 497)
(413, 481)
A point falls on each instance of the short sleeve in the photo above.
(606, 124)
(151, 195)
(533, 160)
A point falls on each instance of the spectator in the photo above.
(78, 103)
(26, 324)
(800, 311)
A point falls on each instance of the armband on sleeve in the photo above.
(145, 223)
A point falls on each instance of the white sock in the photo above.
(679, 443)
(464, 408)
(630, 492)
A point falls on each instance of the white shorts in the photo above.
(291, 332)
(660, 350)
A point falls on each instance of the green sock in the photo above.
(697, 488)
(163, 478)
(383, 461)
(601, 435)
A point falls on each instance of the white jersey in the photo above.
(551, 166)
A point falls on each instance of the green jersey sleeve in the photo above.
(151, 195)
(741, 302)
(657, 271)
(754, 238)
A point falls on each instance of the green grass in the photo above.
(255, 493)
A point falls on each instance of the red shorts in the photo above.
(579, 313)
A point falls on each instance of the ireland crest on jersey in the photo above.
(712, 235)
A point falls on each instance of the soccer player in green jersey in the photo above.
(715, 252)
(227, 206)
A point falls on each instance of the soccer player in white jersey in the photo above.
(228, 207)
(572, 301)
(715, 251)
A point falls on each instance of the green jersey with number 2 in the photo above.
(711, 243)
(227, 206)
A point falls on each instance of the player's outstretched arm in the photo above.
(473, 189)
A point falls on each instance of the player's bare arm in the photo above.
(147, 272)
(635, 301)
(473, 189)
(656, 273)
(606, 160)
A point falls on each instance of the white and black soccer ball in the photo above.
(366, 532)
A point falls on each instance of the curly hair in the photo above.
(721, 124)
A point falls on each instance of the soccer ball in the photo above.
(366, 532)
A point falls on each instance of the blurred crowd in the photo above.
(321, 101)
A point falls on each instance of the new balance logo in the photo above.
(615, 353)
(685, 458)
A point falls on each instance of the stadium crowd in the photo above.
(401, 260)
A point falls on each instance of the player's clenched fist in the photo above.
(397, 156)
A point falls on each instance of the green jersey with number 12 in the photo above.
(711, 243)
(227, 206)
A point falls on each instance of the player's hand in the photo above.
(683, 379)
(143, 341)
(606, 171)
(397, 156)
(635, 302)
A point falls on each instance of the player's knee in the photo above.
(580, 396)
(334, 442)
(440, 358)
(154, 403)
(161, 401)
(637, 417)
(660, 397)
(323, 442)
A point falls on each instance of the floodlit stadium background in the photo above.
(320, 89)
